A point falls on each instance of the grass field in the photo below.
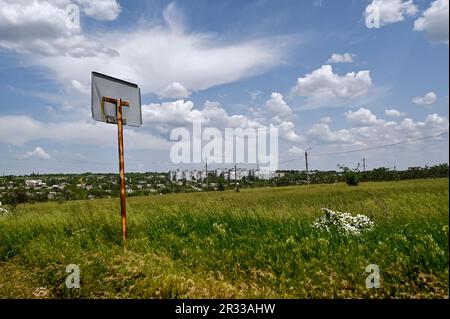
(257, 243)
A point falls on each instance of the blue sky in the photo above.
(314, 69)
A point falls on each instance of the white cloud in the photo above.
(100, 9)
(294, 150)
(166, 116)
(84, 89)
(44, 28)
(323, 86)
(26, 24)
(175, 90)
(19, 130)
(182, 113)
(341, 58)
(254, 94)
(427, 99)
(168, 52)
(362, 117)
(435, 121)
(321, 132)
(38, 152)
(390, 11)
(394, 113)
(286, 129)
(434, 21)
(371, 131)
(277, 105)
(326, 120)
(177, 112)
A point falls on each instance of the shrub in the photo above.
(351, 177)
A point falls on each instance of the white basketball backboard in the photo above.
(109, 87)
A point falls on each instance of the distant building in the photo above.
(228, 173)
(175, 176)
(51, 195)
(265, 174)
(219, 172)
(33, 182)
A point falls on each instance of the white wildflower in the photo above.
(41, 292)
(343, 222)
(220, 228)
(4, 212)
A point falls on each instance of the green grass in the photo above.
(257, 243)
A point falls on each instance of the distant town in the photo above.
(62, 187)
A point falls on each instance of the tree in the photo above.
(221, 186)
(351, 176)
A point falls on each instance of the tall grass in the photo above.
(255, 243)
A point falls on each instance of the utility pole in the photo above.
(206, 177)
(364, 164)
(306, 163)
(235, 179)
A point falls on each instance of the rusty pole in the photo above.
(122, 170)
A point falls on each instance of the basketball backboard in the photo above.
(104, 86)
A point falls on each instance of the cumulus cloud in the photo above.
(177, 112)
(427, 99)
(341, 58)
(100, 9)
(322, 85)
(182, 112)
(19, 130)
(322, 133)
(168, 115)
(254, 94)
(326, 120)
(168, 52)
(84, 89)
(362, 117)
(26, 24)
(434, 22)
(175, 90)
(38, 152)
(286, 129)
(390, 11)
(294, 150)
(367, 130)
(43, 27)
(277, 105)
(394, 113)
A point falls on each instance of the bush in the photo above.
(221, 186)
(352, 177)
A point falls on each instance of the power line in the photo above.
(382, 146)
(83, 162)
(371, 148)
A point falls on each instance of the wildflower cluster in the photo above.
(4, 212)
(343, 222)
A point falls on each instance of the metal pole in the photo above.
(121, 170)
(306, 164)
(364, 164)
(235, 179)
